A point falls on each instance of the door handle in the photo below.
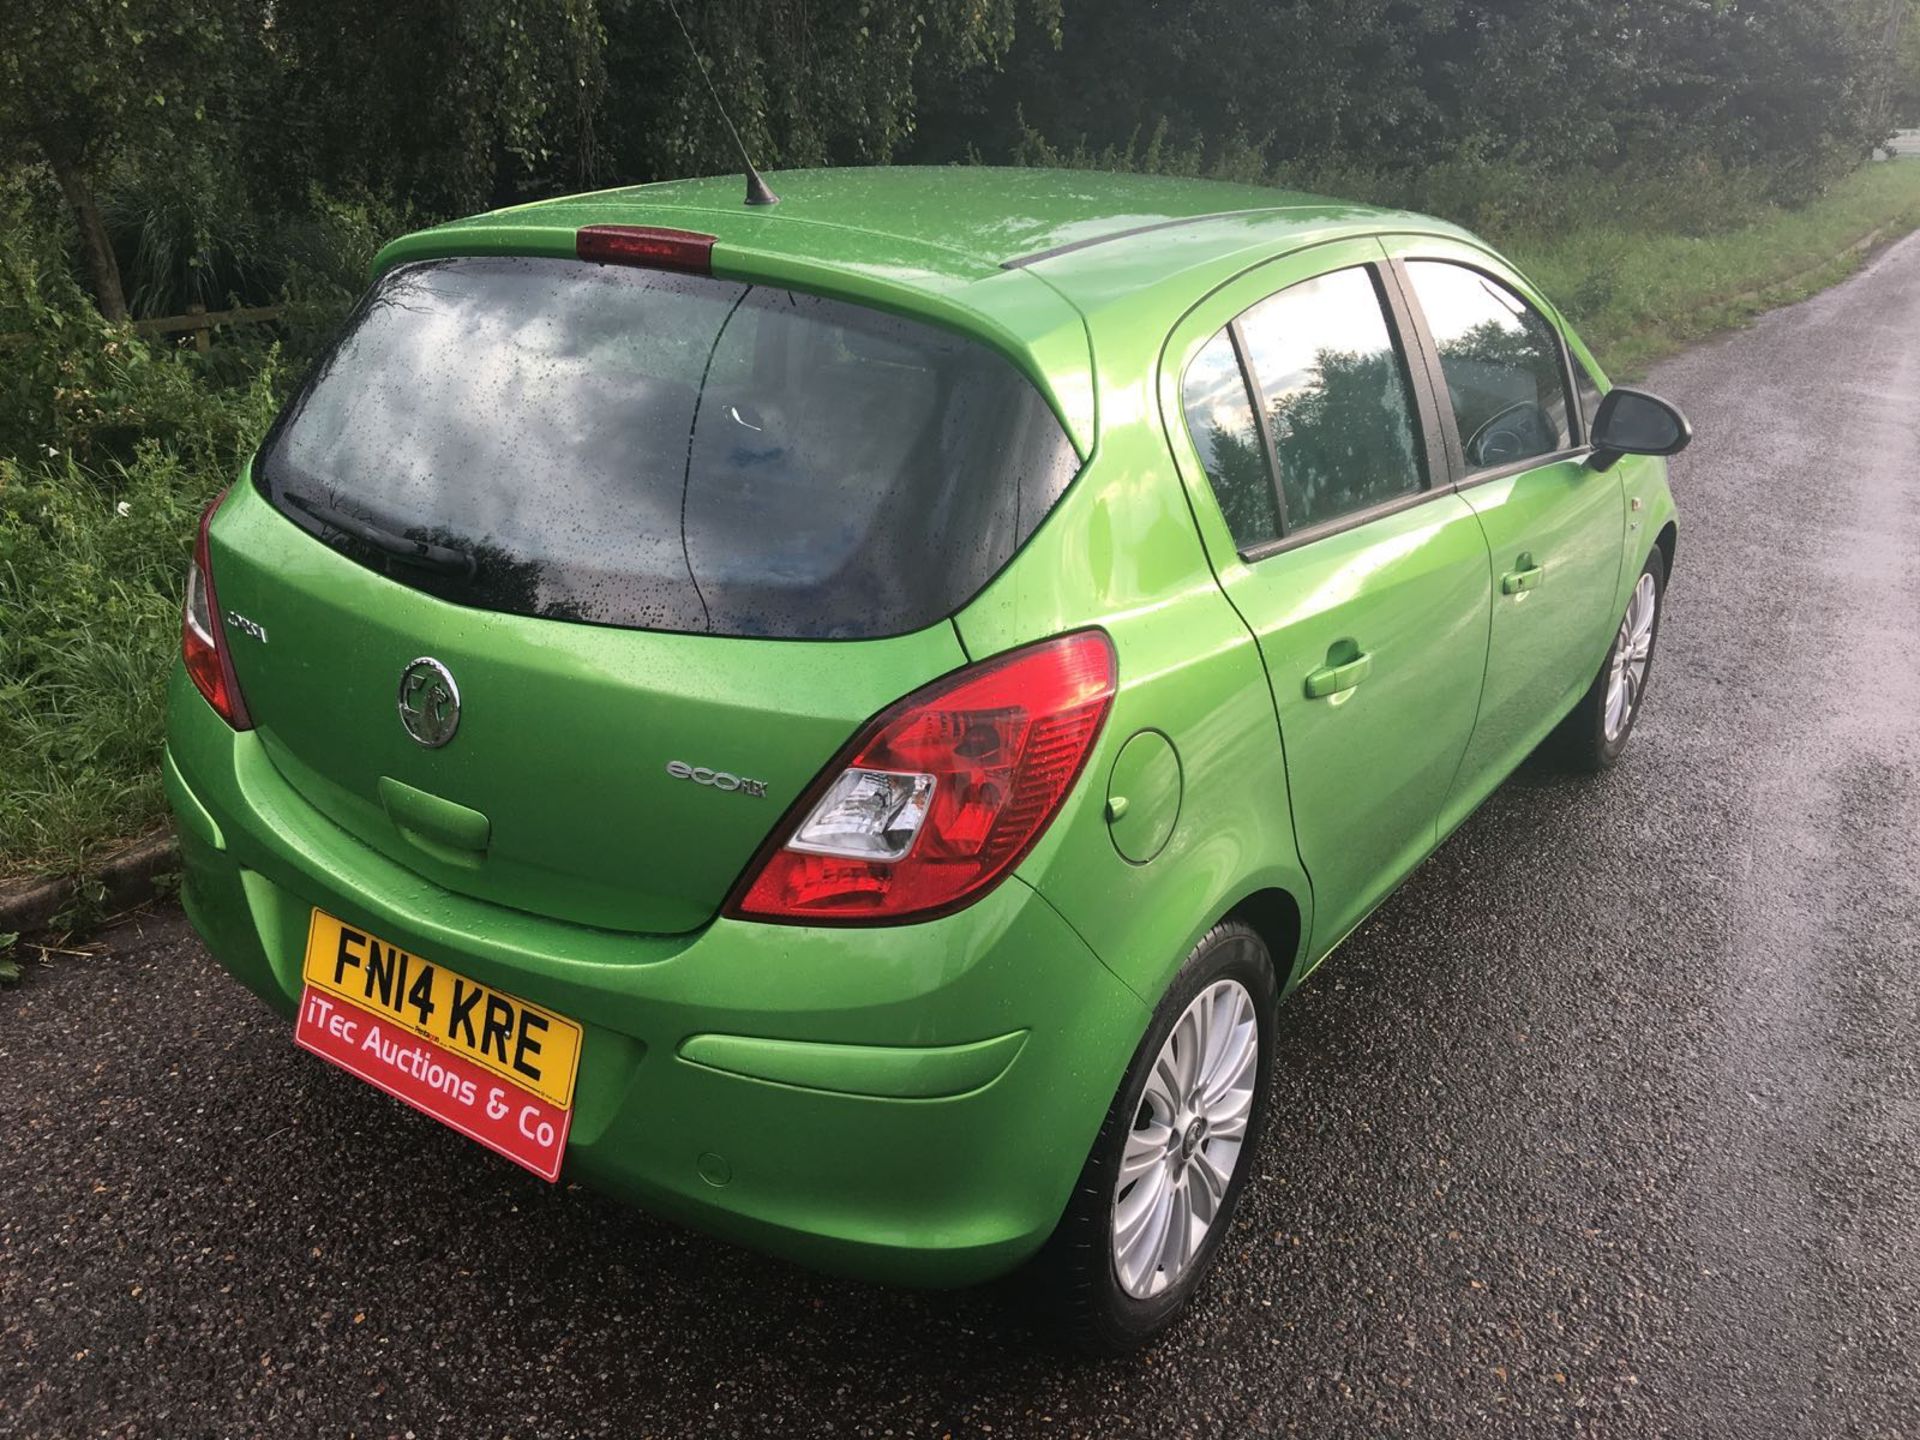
(1330, 680)
(1527, 577)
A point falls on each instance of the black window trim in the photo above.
(1578, 368)
(1446, 464)
(1256, 399)
(1435, 472)
(1462, 477)
(1327, 529)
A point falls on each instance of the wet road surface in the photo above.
(1607, 1125)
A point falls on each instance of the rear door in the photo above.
(1338, 539)
(1555, 526)
(571, 577)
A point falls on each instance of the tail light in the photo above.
(203, 639)
(939, 796)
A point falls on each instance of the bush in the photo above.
(90, 576)
(1508, 201)
(109, 448)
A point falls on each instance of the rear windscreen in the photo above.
(670, 452)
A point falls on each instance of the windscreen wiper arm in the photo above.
(427, 556)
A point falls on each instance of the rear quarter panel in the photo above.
(1121, 551)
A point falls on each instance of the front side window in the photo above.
(1502, 363)
(1221, 421)
(656, 451)
(1337, 399)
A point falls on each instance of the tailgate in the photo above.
(601, 762)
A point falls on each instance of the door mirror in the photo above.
(1632, 422)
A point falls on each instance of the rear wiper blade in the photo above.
(427, 556)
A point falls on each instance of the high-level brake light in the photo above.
(646, 245)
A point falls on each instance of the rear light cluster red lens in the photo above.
(940, 796)
(646, 245)
(203, 639)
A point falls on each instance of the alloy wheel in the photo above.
(1187, 1139)
(1632, 653)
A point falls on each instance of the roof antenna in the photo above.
(757, 191)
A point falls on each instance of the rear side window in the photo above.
(1226, 434)
(635, 448)
(1502, 363)
(1337, 398)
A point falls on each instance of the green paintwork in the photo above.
(1143, 797)
(892, 1072)
(438, 826)
(934, 1191)
(1371, 760)
(1291, 735)
(1547, 531)
(1526, 578)
(189, 815)
(1330, 681)
(324, 694)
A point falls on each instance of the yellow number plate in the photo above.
(530, 1046)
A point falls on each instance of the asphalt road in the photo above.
(1605, 1126)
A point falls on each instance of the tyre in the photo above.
(1595, 735)
(1160, 1185)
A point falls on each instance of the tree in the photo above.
(1301, 79)
(84, 81)
(1787, 87)
(444, 105)
(1903, 102)
(1898, 76)
(805, 83)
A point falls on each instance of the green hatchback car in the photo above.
(841, 721)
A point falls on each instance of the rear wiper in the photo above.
(443, 558)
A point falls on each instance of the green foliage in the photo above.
(211, 127)
(190, 234)
(109, 447)
(444, 104)
(805, 84)
(80, 79)
(78, 390)
(84, 83)
(1903, 80)
(1645, 291)
(1780, 88)
(91, 567)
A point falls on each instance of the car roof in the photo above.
(1027, 258)
(958, 222)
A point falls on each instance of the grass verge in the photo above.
(1637, 294)
(91, 570)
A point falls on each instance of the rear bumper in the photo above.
(910, 1105)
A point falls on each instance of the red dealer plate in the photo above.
(510, 1086)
